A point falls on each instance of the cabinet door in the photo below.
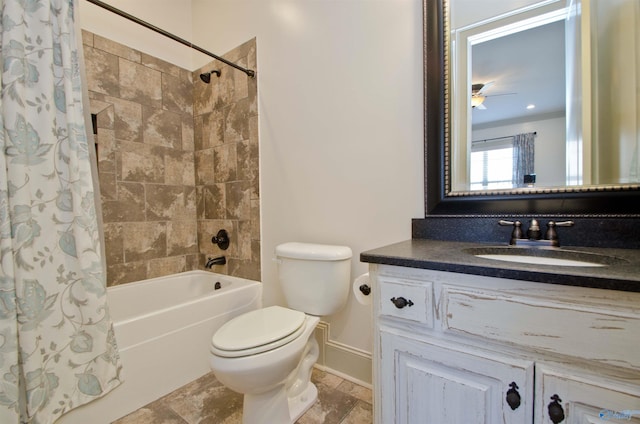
(568, 399)
(435, 383)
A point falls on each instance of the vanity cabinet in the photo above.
(428, 382)
(462, 349)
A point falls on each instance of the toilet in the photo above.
(268, 354)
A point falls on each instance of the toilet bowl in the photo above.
(268, 354)
(276, 381)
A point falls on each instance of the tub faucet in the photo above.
(220, 260)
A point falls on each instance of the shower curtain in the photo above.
(523, 157)
(57, 346)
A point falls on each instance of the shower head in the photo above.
(206, 77)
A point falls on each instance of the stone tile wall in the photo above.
(227, 162)
(147, 169)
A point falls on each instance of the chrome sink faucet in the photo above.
(534, 235)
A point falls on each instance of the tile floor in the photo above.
(206, 401)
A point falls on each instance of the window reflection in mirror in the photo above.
(491, 165)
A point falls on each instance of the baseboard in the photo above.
(345, 361)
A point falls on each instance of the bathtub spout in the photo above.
(220, 260)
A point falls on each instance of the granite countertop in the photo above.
(623, 274)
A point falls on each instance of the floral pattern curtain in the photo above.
(523, 157)
(57, 346)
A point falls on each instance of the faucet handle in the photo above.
(517, 230)
(551, 229)
(562, 224)
(221, 239)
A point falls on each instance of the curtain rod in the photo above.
(498, 138)
(147, 25)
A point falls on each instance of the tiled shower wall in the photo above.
(157, 198)
(227, 163)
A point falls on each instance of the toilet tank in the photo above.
(315, 278)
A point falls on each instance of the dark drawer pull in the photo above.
(556, 413)
(401, 302)
(513, 397)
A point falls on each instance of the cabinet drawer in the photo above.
(581, 331)
(584, 399)
(417, 299)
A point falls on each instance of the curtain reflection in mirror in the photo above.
(523, 157)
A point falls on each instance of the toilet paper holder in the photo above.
(365, 289)
(361, 288)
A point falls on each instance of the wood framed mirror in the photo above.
(618, 199)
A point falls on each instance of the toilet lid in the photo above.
(257, 331)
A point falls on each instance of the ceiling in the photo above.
(526, 68)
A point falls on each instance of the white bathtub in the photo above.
(163, 328)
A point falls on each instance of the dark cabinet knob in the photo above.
(401, 302)
(365, 289)
(556, 413)
(513, 397)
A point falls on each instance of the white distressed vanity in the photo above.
(459, 348)
(463, 339)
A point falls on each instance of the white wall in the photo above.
(173, 16)
(340, 104)
(466, 12)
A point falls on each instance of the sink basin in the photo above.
(544, 256)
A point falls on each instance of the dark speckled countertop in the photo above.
(450, 256)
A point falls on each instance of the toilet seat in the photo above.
(258, 331)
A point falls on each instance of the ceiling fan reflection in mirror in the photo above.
(478, 94)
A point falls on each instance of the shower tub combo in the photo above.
(163, 327)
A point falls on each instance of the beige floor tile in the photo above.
(356, 391)
(323, 377)
(207, 401)
(362, 413)
(331, 407)
(152, 415)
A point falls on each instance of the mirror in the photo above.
(584, 144)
